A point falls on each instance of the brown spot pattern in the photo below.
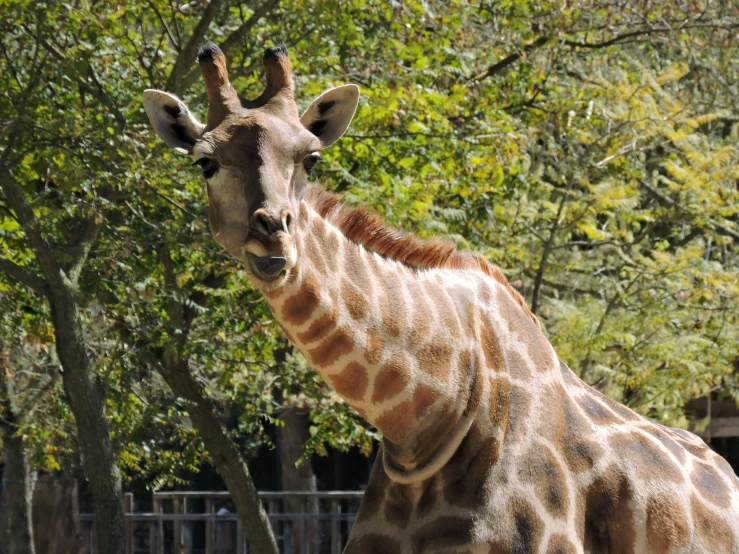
(435, 358)
(710, 484)
(517, 365)
(375, 346)
(392, 307)
(298, 308)
(444, 306)
(395, 423)
(330, 350)
(466, 473)
(320, 328)
(570, 432)
(667, 526)
(697, 450)
(420, 322)
(434, 432)
(373, 543)
(549, 480)
(392, 378)
(675, 449)
(352, 382)
(355, 300)
(500, 400)
(398, 505)
(595, 410)
(518, 410)
(427, 501)
(713, 530)
(619, 409)
(330, 246)
(520, 323)
(726, 469)
(527, 526)
(559, 544)
(355, 267)
(490, 345)
(646, 457)
(443, 533)
(423, 398)
(315, 255)
(609, 522)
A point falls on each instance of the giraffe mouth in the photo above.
(266, 268)
(269, 260)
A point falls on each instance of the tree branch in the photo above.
(82, 246)
(562, 287)
(235, 38)
(545, 255)
(55, 277)
(239, 34)
(716, 226)
(650, 31)
(96, 92)
(508, 60)
(541, 41)
(213, 280)
(22, 276)
(174, 42)
(189, 51)
(30, 405)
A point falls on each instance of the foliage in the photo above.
(589, 149)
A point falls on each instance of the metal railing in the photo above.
(206, 523)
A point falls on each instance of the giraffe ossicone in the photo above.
(491, 444)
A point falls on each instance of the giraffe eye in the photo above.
(208, 165)
(310, 162)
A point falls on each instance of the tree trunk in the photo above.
(81, 384)
(290, 440)
(17, 535)
(223, 453)
(87, 400)
(56, 517)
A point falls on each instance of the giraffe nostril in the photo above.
(262, 223)
(287, 222)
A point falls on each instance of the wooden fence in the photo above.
(206, 523)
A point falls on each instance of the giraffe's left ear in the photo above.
(172, 121)
(330, 114)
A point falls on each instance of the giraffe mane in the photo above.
(369, 229)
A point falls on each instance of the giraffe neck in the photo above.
(414, 351)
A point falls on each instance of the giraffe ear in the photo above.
(330, 114)
(172, 121)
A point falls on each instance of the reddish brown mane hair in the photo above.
(369, 229)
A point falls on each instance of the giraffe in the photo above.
(491, 444)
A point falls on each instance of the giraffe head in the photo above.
(256, 155)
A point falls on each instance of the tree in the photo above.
(590, 149)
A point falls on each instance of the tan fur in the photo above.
(367, 228)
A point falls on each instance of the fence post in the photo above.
(209, 527)
(186, 530)
(158, 509)
(335, 527)
(153, 542)
(177, 509)
(240, 538)
(128, 509)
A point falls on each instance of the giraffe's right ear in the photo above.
(172, 121)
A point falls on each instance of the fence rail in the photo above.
(191, 522)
